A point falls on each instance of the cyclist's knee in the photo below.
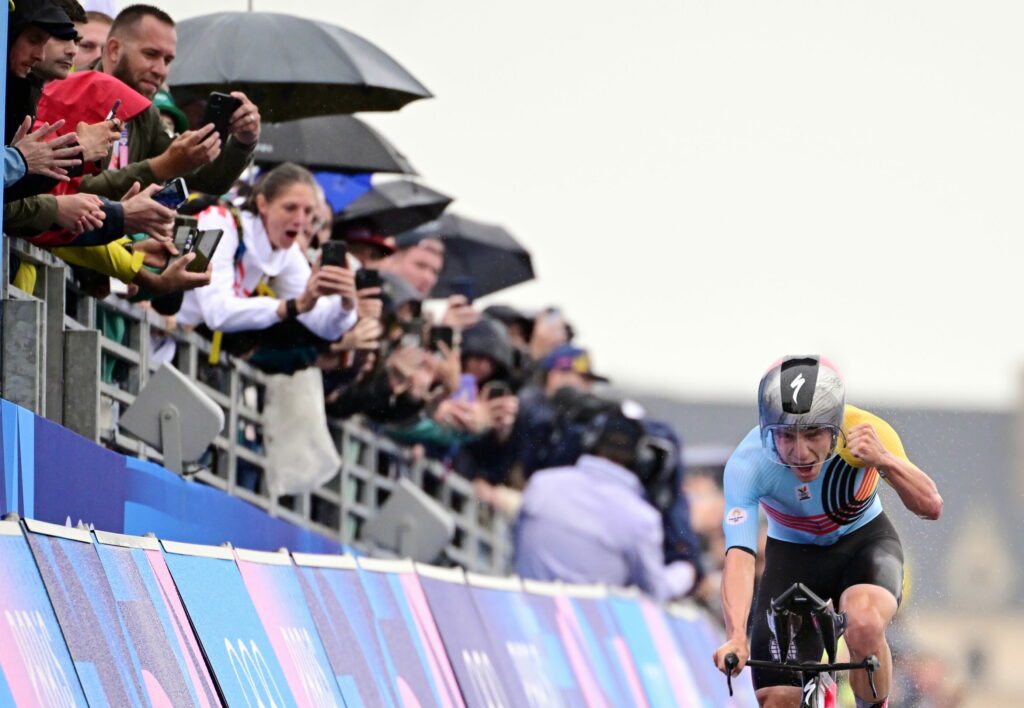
(865, 630)
(778, 696)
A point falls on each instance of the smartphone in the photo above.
(440, 333)
(368, 278)
(203, 246)
(334, 253)
(183, 237)
(173, 195)
(465, 286)
(219, 108)
(466, 390)
(496, 389)
(79, 169)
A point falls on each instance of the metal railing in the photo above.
(58, 363)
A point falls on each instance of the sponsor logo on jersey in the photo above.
(803, 493)
(736, 516)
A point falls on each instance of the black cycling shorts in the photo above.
(870, 555)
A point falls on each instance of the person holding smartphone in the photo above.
(263, 291)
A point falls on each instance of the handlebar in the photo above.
(869, 664)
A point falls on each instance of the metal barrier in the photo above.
(57, 363)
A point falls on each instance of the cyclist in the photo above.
(813, 464)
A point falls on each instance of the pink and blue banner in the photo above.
(83, 600)
(154, 621)
(485, 672)
(35, 664)
(275, 592)
(344, 618)
(228, 626)
(409, 635)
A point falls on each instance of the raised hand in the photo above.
(42, 157)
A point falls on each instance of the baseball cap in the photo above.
(46, 15)
(571, 358)
(363, 234)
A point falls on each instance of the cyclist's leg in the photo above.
(785, 564)
(873, 584)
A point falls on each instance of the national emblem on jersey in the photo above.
(803, 493)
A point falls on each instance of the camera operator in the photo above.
(565, 531)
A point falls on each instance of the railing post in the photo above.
(53, 295)
(24, 353)
(82, 372)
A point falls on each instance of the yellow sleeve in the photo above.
(112, 259)
(855, 416)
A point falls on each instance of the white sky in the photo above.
(705, 186)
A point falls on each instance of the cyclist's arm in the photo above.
(916, 489)
(737, 595)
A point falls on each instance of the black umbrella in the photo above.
(331, 143)
(289, 66)
(393, 208)
(487, 253)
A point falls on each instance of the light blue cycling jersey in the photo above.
(841, 499)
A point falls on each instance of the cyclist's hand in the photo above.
(738, 647)
(864, 443)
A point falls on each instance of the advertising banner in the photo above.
(35, 665)
(609, 648)
(155, 623)
(529, 640)
(408, 634)
(275, 591)
(344, 619)
(136, 497)
(87, 611)
(665, 676)
(485, 673)
(698, 640)
(227, 624)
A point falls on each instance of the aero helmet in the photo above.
(801, 393)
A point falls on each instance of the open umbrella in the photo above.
(394, 207)
(290, 67)
(330, 143)
(487, 253)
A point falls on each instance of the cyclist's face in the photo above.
(804, 449)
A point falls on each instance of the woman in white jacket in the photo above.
(307, 305)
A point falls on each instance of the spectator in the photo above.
(258, 244)
(418, 264)
(565, 531)
(141, 45)
(93, 33)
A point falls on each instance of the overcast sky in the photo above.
(705, 186)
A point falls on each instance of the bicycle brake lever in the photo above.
(871, 665)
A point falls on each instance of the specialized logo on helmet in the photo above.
(797, 384)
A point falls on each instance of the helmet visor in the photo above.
(800, 445)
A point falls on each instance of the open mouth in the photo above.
(291, 233)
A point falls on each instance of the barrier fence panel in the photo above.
(274, 589)
(409, 634)
(155, 622)
(484, 670)
(228, 626)
(36, 668)
(533, 647)
(107, 662)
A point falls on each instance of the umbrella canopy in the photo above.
(330, 143)
(290, 67)
(487, 253)
(394, 207)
